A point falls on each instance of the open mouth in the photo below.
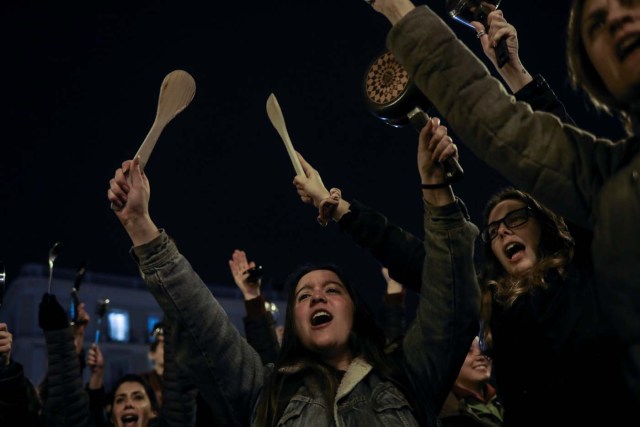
(627, 45)
(129, 420)
(512, 249)
(320, 318)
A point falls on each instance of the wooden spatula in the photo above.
(277, 120)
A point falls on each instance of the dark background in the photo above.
(80, 89)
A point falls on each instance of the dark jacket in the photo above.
(544, 345)
(465, 409)
(19, 403)
(259, 328)
(591, 181)
(462, 408)
(65, 402)
(231, 375)
(178, 392)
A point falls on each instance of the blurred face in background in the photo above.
(476, 369)
(131, 406)
(610, 31)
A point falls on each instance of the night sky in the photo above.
(80, 89)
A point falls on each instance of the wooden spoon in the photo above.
(277, 120)
(177, 90)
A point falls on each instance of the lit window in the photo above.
(118, 325)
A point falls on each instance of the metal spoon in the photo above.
(53, 253)
(101, 310)
(75, 298)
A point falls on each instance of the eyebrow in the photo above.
(135, 393)
(325, 284)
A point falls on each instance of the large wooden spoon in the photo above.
(277, 120)
(177, 90)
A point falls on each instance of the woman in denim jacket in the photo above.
(333, 369)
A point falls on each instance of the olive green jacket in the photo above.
(591, 181)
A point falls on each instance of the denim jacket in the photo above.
(231, 376)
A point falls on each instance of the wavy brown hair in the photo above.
(555, 251)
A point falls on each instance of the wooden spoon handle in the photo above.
(149, 143)
(277, 120)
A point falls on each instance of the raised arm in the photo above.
(226, 370)
(395, 248)
(393, 311)
(513, 72)
(259, 326)
(65, 402)
(527, 88)
(534, 150)
(438, 338)
(178, 391)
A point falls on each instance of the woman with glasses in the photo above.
(591, 180)
(553, 352)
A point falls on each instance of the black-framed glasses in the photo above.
(511, 220)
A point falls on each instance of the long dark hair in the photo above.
(365, 340)
(555, 252)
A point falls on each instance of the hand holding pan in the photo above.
(176, 92)
(391, 96)
(465, 11)
(277, 120)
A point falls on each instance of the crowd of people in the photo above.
(528, 333)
